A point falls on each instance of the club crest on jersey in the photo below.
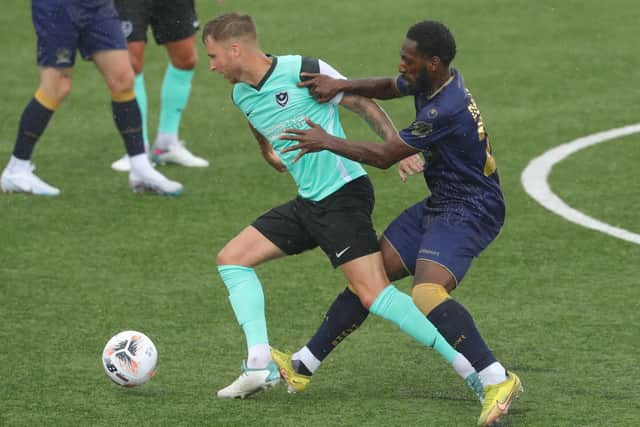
(63, 56)
(421, 128)
(282, 98)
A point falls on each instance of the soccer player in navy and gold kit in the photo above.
(436, 239)
(332, 209)
(93, 27)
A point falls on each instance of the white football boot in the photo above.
(122, 164)
(177, 153)
(25, 181)
(154, 182)
(251, 381)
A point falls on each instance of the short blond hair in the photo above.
(228, 26)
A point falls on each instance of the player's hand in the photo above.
(321, 87)
(409, 166)
(309, 140)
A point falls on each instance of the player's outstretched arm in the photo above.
(316, 139)
(267, 151)
(324, 88)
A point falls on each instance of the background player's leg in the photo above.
(176, 87)
(118, 74)
(55, 85)
(136, 56)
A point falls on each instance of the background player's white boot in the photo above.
(178, 154)
(25, 181)
(122, 164)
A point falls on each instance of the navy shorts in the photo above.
(340, 224)
(64, 26)
(170, 21)
(451, 239)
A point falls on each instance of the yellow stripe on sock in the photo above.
(352, 289)
(427, 296)
(46, 102)
(123, 96)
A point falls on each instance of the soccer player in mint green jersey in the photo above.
(332, 209)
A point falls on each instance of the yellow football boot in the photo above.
(296, 383)
(498, 398)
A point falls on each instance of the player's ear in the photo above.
(433, 62)
(235, 49)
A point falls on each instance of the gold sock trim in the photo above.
(47, 103)
(123, 96)
(352, 289)
(427, 296)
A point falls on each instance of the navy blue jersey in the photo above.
(459, 168)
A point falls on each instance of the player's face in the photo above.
(413, 67)
(221, 59)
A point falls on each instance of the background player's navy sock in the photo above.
(457, 326)
(33, 122)
(344, 316)
(126, 114)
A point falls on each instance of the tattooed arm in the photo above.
(389, 152)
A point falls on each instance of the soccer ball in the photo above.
(130, 358)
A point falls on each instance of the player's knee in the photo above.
(137, 64)
(121, 81)
(224, 257)
(366, 294)
(427, 296)
(56, 92)
(63, 89)
(185, 62)
(232, 254)
(367, 299)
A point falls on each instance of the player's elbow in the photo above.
(384, 159)
(385, 163)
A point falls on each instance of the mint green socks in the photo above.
(141, 97)
(247, 301)
(399, 308)
(176, 87)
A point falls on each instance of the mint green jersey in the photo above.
(277, 104)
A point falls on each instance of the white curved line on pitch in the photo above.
(534, 180)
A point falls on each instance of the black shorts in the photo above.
(170, 20)
(340, 224)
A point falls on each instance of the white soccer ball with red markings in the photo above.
(130, 358)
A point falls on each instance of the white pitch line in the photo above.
(534, 180)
